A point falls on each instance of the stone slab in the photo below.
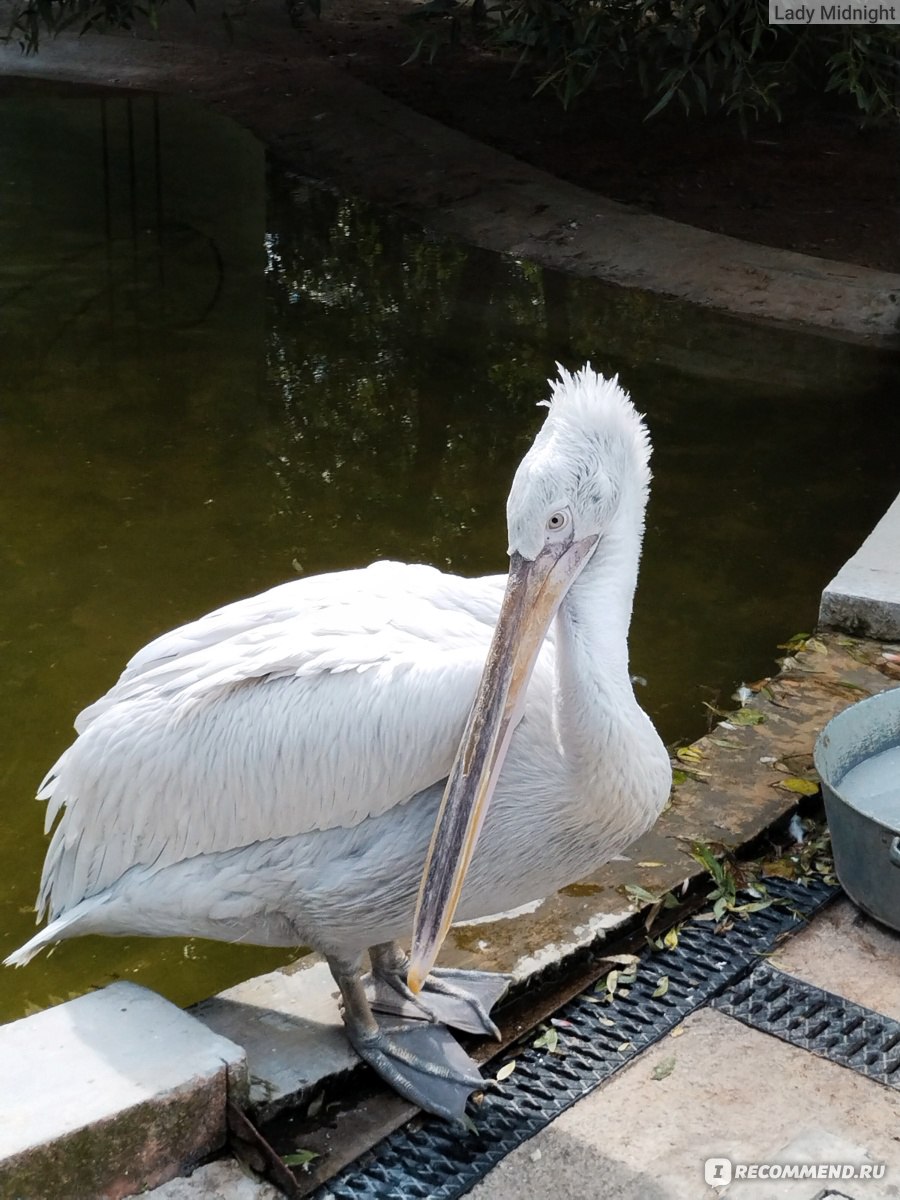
(731, 1092)
(864, 596)
(846, 952)
(291, 1029)
(818, 1148)
(108, 1094)
(223, 1180)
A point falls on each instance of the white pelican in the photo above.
(272, 772)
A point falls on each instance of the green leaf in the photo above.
(662, 987)
(300, 1158)
(747, 716)
(635, 892)
(548, 1040)
(506, 1070)
(663, 1069)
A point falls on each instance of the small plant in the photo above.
(30, 20)
(729, 878)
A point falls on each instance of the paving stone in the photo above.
(109, 1094)
(730, 1092)
(846, 952)
(223, 1180)
(815, 1150)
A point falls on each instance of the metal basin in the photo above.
(865, 821)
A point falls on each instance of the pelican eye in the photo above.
(557, 521)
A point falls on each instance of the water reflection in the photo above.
(210, 386)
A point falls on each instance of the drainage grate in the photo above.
(430, 1160)
(827, 1025)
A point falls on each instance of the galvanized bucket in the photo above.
(866, 841)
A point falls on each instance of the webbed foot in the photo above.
(461, 999)
(423, 1062)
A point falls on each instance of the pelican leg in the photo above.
(461, 999)
(421, 1061)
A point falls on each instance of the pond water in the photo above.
(215, 377)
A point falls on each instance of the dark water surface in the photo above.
(214, 378)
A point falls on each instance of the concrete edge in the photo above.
(864, 596)
(324, 123)
(110, 1093)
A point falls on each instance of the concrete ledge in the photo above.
(864, 596)
(109, 1094)
(291, 1029)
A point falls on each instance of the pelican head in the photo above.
(579, 491)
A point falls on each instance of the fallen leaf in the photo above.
(689, 754)
(678, 1031)
(506, 1070)
(649, 863)
(797, 642)
(747, 716)
(300, 1158)
(795, 783)
(663, 1069)
(670, 941)
(662, 987)
(547, 1041)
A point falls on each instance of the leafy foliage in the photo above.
(705, 54)
(32, 19)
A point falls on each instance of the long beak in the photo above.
(534, 591)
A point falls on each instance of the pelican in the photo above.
(279, 771)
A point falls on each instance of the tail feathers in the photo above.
(66, 926)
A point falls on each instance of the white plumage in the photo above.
(311, 707)
(272, 771)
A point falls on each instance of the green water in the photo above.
(213, 379)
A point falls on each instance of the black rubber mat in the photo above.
(430, 1160)
(818, 1021)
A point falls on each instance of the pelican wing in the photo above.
(316, 705)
